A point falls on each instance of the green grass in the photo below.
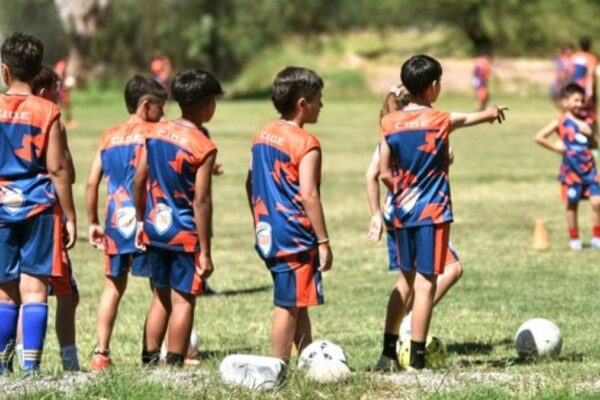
(501, 182)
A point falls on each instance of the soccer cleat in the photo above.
(386, 364)
(575, 244)
(595, 244)
(100, 361)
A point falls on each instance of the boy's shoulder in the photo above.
(286, 135)
(181, 134)
(29, 107)
(425, 117)
(132, 131)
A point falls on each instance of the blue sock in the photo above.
(35, 320)
(9, 314)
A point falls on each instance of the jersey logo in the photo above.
(263, 238)
(12, 199)
(126, 221)
(163, 219)
(581, 138)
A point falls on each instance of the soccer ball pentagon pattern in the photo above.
(538, 337)
(324, 362)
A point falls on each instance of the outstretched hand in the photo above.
(498, 113)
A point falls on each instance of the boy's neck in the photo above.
(18, 87)
(417, 103)
(293, 119)
(195, 119)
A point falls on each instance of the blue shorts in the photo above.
(423, 248)
(66, 284)
(116, 265)
(576, 192)
(175, 269)
(33, 246)
(297, 280)
(392, 247)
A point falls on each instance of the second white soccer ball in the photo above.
(538, 337)
(324, 361)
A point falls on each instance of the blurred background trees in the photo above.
(225, 35)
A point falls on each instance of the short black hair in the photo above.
(292, 84)
(138, 87)
(23, 56)
(46, 79)
(419, 72)
(571, 89)
(195, 86)
(585, 43)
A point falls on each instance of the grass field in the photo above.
(501, 182)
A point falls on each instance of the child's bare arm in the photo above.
(385, 165)
(139, 185)
(542, 137)
(95, 232)
(490, 114)
(310, 166)
(203, 212)
(249, 187)
(58, 171)
(68, 156)
(372, 178)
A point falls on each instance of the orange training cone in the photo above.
(540, 236)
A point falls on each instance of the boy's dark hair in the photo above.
(585, 43)
(138, 87)
(292, 84)
(195, 86)
(23, 56)
(46, 79)
(571, 89)
(419, 72)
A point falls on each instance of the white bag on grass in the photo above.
(252, 372)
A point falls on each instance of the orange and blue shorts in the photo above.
(297, 280)
(63, 285)
(115, 265)
(33, 246)
(575, 192)
(175, 269)
(423, 248)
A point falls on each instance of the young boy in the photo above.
(117, 159)
(481, 75)
(414, 167)
(584, 64)
(35, 186)
(283, 192)
(578, 175)
(176, 213)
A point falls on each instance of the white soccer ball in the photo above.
(538, 337)
(192, 347)
(321, 350)
(324, 362)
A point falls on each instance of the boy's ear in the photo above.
(6, 74)
(301, 103)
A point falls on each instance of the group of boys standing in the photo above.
(159, 205)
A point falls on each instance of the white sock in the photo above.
(69, 358)
(19, 354)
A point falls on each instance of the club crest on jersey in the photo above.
(409, 199)
(12, 199)
(571, 193)
(163, 219)
(581, 138)
(264, 240)
(126, 221)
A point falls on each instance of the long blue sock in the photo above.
(35, 321)
(9, 314)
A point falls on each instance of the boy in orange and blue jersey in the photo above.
(578, 174)
(481, 77)
(176, 213)
(283, 192)
(414, 167)
(35, 186)
(117, 159)
(584, 64)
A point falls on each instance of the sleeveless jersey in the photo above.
(578, 164)
(584, 71)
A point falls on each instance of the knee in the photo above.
(458, 271)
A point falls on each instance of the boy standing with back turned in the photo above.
(283, 192)
(414, 167)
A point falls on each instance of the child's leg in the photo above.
(65, 330)
(156, 324)
(34, 318)
(425, 288)
(398, 301)
(452, 273)
(595, 203)
(572, 221)
(180, 326)
(283, 329)
(9, 313)
(303, 335)
(114, 288)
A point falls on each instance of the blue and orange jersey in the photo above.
(418, 141)
(120, 150)
(578, 164)
(25, 187)
(282, 226)
(175, 151)
(584, 71)
(481, 71)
